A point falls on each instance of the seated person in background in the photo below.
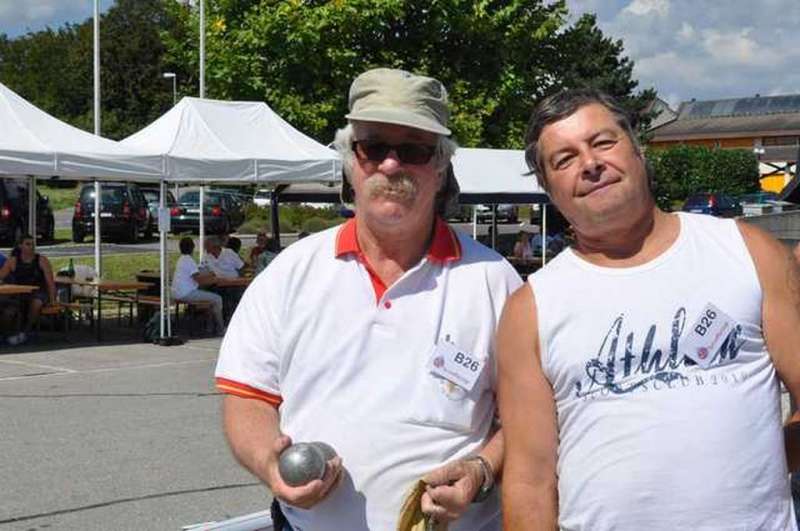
(258, 248)
(271, 250)
(2, 259)
(222, 261)
(188, 280)
(26, 266)
(234, 244)
(523, 249)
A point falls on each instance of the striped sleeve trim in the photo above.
(245, 391)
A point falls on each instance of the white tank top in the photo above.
(648, 440)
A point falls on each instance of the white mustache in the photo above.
(401, 186)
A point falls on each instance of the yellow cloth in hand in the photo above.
(411, 516)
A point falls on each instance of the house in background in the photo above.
(770, 126)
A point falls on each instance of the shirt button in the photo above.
(387, 304)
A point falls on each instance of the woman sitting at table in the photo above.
(26, 266)
(258, 248)
(187, 282)
(523, 249)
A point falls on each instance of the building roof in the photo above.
(757, 116)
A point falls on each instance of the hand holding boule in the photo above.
(301, 463)
(323, 478)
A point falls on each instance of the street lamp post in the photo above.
(174, 78)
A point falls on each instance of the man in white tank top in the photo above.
(639, 372)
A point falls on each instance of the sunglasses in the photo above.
(406, 153)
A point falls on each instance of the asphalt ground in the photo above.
(116, 437)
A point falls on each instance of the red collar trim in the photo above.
(445, 246)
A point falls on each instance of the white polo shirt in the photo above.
(226, 265)
(182, 281)
(345, 359)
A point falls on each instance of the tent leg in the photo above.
(274, 218)
(544, 234)
(98, 270)
(202, 228)
(165, 324)
(32, 209)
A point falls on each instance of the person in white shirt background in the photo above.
(224, 262)
(188, 280)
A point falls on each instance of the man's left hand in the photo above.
(451, 488)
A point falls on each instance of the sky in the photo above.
(703, 49)
(17, 17)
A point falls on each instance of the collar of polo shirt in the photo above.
(444, 245)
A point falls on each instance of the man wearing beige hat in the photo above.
(377, 336)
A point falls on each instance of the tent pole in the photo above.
(162, 248)
(96, 48)
(32, 209)
(474, 223)
(274, 218)
(97, 264)
(202, 49)
(494, 226)
(202, 229)
(544, 234)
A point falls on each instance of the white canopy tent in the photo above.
(495, 176)
(34, 143)
(234, 141)
(203, 141)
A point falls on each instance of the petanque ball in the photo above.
(301, 463)
(327, 450)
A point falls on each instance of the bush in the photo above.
(684, 170)
(292, 218)
(317, 224)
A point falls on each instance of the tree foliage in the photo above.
(53, 69)
(684, 170)
(497, 57)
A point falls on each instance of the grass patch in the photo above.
(60, 198)
(63, 233)
(119, 266)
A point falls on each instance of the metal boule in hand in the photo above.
(301, 463)
(327, 450)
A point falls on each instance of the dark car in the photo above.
(505, 212)
(764, 202)
(221, 214)
(123, 213)
(14, 211)
(716, 204)
(152, 196)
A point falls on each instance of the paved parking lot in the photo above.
(118, 437)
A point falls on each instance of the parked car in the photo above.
(152, 195)
(220, 213)
(716, 204)
(505, 212)
(261, 198)
(764, 202)
(123, 213)
(14, 211)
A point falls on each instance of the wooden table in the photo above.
(237, 282)
(17, 289)
(106, 287)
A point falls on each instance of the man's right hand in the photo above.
(305, 496)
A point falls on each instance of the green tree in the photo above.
(497, 58)
(54, 69)
(684, 170)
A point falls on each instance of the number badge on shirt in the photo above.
(455, 365)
